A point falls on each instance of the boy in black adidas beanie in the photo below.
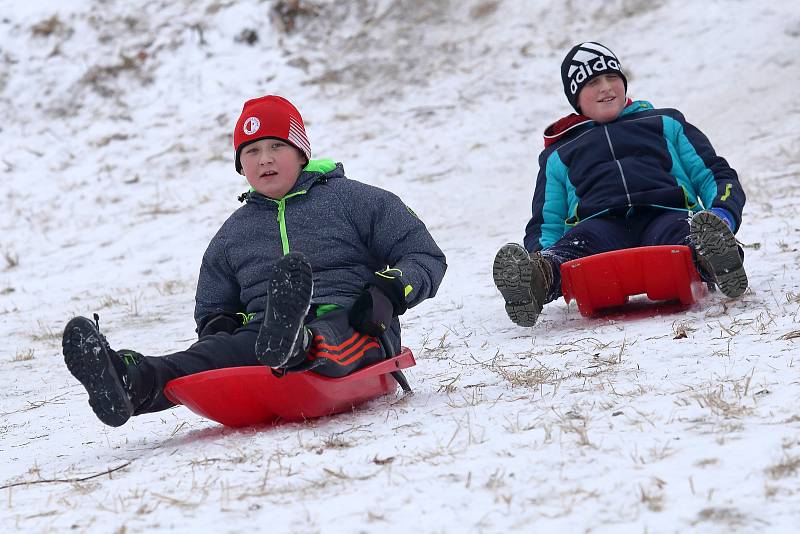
(620, 174)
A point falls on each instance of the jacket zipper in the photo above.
(282, 219)
(619, 166)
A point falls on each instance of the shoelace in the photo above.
(96, 317)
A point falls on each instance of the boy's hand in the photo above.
(220, 322)
(382, 299)
(372, 312)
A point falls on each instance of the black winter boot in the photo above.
(282, 340)
(103, 372)
(525, 281)
(718, 253)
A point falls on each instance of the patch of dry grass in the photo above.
(23, 356)
(788, 466)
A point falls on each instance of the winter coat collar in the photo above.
(564, 126)
(317, 170)
(568, 125)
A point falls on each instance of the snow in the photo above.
(117, 169)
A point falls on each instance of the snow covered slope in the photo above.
(116, 169)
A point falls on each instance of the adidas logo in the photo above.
(592, 64)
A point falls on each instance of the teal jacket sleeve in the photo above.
(715, 182)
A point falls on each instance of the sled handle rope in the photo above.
(388, 352)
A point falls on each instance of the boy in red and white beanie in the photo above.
(307, 274)
(270, 117)
(264, 121)
(620, 174)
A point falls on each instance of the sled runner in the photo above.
(607, 280)
(243, 396)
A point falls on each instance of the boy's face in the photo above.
(271, 166)
(602, 98)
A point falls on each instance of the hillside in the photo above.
(117, 169)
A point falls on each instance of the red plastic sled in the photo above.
(663, 273)
(244, 396)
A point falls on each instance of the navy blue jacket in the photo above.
(646, 157)
(348, 230)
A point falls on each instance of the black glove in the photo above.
(219, 322)
(381, 300)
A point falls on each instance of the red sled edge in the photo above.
(245, 396)
(607, 280)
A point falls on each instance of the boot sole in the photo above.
(288, 302)
(512, 271)
(717, 250)
(89, 362)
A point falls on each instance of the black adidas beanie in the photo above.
(584, 62)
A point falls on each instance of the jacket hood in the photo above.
(563, 126)
(566, 126)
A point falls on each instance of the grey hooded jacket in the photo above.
(348, 230)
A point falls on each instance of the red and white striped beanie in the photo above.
(269, 117)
